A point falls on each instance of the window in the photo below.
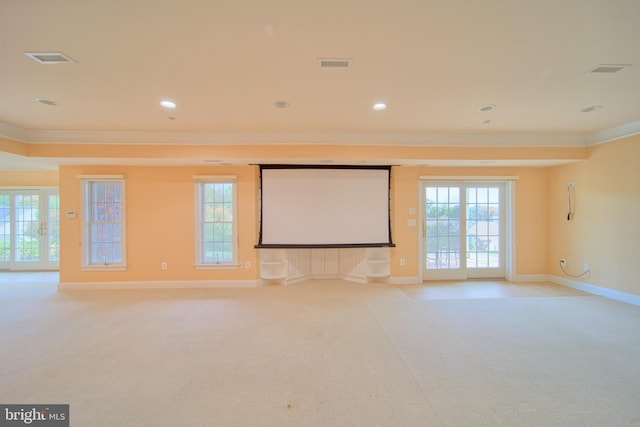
(104, 222)
(5, 228)
(216, 222)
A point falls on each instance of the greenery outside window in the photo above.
(216, 222)
(104, 228)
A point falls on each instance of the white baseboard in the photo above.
(597, 290)
(405, 280)
(296, 280)
(324, 276)
(415, 280)
(354, 279)
(159, 284)
(530, 278)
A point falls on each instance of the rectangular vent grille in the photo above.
(340, 63)
(608, 68)
(49, 57)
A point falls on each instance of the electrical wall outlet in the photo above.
(403, 261)
(163, 266)
(563, 261)
(586, 266)
(247, 265)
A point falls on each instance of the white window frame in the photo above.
(200, 182)
(46, 224)
(510, 242)
(86, 181)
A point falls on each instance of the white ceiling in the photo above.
(226, 62)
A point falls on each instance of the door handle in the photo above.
(43, 228)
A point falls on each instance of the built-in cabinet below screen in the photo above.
(273, 264)
(285, 266)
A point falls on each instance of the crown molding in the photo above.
(316, 138)
(13, 132)
(616, 132)
(295, 138)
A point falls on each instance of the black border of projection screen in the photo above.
(324, 206)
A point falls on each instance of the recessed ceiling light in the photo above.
(47, 102)
(281, 104)
(379, 106)
(592, 108)
(486, 122)
(168, 104)
(488, 107)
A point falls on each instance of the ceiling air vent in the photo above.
(337, 63)
(49, 57)
(607, 68)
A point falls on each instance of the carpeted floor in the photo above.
(319, 353)
(475, 289)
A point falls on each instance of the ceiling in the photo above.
(227, 63)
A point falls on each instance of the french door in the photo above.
(29, 229)
(463, 230)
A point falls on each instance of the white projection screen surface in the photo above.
(325, 206)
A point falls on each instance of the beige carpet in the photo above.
(319, 353)
(475, 289)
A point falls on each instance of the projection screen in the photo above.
(324, 206)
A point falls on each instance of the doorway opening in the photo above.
(29, 229)
(467, 229)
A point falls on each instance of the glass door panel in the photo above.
(29, 230)
(53, 231)
(443, 231)
(485, 235)
(5, 230)
(463, 230)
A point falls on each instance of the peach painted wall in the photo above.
(160, 223)
(605, 231)
(530, 215)
(346, 152)
(161, 228)
(28, 178)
